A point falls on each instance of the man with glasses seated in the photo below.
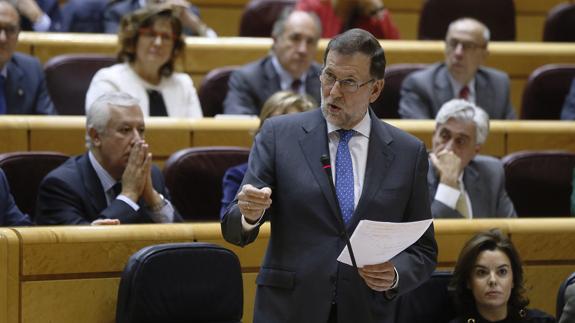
(22, 86)
(460, 76)
(288, 67)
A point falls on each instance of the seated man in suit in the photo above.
(289, 66)
(115, 179)
(460, 76)
(463, 184)
(22, 86)
(189, 15)
(10, 214)
(568, 314)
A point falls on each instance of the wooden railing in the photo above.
(71, 273)
(66, 134)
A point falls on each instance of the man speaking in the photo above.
(380, 175)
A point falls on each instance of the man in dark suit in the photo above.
(460, 76)
(10, 214)
(115, 180)
(380, 175)
(289, 66)
(22, 85)
(463, 184)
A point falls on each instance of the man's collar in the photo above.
(105, 178)
(363, 127)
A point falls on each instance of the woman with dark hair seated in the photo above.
(150, 42)
(487, 283)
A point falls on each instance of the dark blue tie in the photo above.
(3, 109)
(344, 175)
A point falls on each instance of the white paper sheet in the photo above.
(376, 242)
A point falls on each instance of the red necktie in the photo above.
(464, 93)
(295, 85)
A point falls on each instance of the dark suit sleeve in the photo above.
(61, 203)
(442, 211)
(505, 208)
(112, 16)
(259, 174)
(413, 104)
(11, 214)
(415, 264)
(240, 98)
(568, 111)
(230, 186)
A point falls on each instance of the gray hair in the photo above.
(466, 111)
(280, 23)
(98, 116)
(486, 32)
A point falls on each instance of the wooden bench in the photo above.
(71, 273)
(66, 134)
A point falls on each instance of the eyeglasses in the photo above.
(152, 34)
(466, 45)
(10, 31)
(345, 85)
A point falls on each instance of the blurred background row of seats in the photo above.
(68, 78)
(538, 182)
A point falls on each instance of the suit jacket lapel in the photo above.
(443, 87)
(470, 179)
(271, 79)
(14, 91)
(379, 158)
(314, 144)
(92, 184)
(484, 97)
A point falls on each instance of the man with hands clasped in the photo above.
(463, 184)
(115, 181)
(379, 174)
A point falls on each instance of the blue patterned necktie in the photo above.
(3, 109)
(344, 175)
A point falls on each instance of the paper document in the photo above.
(376, 242)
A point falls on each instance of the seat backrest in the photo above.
(561, 295)
(68, 78)
(24, 171)
(560, 23)
(181, 282)
(428, 303)
(497, 15)
(539, 182)
(259, 17)
(387, 105)
(213, 90)
(194, 178)
(545, 91)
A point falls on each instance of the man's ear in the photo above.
(376, 90)
(95, 137)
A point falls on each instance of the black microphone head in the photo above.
(325, 160)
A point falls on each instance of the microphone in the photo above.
(326, 165)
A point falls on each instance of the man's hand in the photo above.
(29, 9)
(137, 171)
(253, 201)
(105, 222)
(449, 167)
(378, 277)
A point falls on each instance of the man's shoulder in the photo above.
(25, 61)
(487, 164)
(68, 171)
(491, 72)
(427, 72)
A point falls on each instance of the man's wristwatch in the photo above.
(159, 206)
